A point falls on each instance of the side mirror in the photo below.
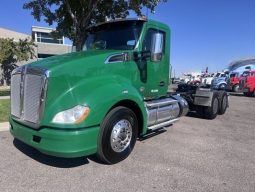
(157, 47)
(145, 54)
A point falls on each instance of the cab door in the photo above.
(157, 63)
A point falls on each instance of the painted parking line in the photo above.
(4, 126)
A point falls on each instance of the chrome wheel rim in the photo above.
(121, 135)
(236, 88)
(215, 106)
(222, 86)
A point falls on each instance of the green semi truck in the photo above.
(100, 100)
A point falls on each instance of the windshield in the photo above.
(233, 75)
(245, 74)
(117, 35)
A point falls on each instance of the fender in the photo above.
(100, 94)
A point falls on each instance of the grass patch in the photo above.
(5, 92)
(4, 110)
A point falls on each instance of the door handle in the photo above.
(161, 83)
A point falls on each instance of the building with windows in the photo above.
(47, 45)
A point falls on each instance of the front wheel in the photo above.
(236, 88)
(222, 87)
(117, 136)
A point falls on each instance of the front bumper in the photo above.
(59, 143)
(230, 87)
(244, 89)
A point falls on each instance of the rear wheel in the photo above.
(211, 112)
(223, 103)
(117, 135)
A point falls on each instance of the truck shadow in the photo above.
(49, 160)
(152, 134)
(193, 114)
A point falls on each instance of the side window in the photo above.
(155, 43)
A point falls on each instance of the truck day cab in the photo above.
(100, 100)
(234, 79)
(247, 83)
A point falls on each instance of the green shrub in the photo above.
(5, 92)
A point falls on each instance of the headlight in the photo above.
(74, 115)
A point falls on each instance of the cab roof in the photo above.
(139, 19)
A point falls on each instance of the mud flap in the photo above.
(203, 97)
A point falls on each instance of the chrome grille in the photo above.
(32, 94)
(28, 88)
(241, 83)
(15, 95)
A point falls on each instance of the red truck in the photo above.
(247, 83)
(234, 79)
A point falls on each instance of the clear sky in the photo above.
(205, 33)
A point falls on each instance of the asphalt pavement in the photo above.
(192, 155)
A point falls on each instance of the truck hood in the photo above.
(84, 59)
(219, 80)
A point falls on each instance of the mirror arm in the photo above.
(142, 65)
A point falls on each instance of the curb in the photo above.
(5, 97)
(4, 126)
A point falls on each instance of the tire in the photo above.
(117, 136)
(253, 93)
(222, 86)
(223, 103)
(235, 88)
(212, 111)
